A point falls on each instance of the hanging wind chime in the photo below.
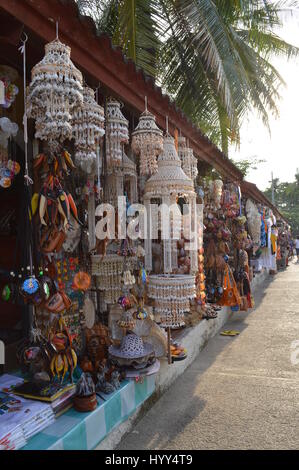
(54, 93)
(88, 128)
(147, 142)
(117, 134)
(188, 160)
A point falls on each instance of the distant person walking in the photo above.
(297, 247)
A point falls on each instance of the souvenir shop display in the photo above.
(227, 244)
(147, 142)
(100, 308)
(88, 128)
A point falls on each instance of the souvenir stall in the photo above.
(97, 288)
(227, 246)
(76, 354)
(173, 267)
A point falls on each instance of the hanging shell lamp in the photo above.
(147, 142)
(88, 128)
(54, 93)
(117, 133)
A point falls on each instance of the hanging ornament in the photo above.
(147, 142)
(170, 177)
(88, 128)
(54, 93)
(117, 133)
(189, 162)
(172, 295)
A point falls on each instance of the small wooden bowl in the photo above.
(85, 404)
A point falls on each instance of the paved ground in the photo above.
(241, 392)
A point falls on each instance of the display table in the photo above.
(84, 431)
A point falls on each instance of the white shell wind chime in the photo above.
(188, 160)
(147, 142)
(172, 292)
(88, 128)
(54, 93)
(117, 135)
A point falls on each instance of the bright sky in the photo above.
(280, 150)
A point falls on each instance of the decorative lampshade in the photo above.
(147, 141)
(54, 93)
(88, 128)
(117, 133)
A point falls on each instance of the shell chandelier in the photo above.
(147, 142)
(88, 128)
(117, 134)
(54, 93)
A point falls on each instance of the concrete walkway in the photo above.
(241, 392)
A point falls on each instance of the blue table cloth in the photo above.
(84, 431)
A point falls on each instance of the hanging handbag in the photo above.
(52, 240)
(231, 296)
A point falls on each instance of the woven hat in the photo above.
(132, 347)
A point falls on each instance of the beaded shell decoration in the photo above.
(54, 93)
(172, 296)
(117, 133)
(254, 221)
(147, 142)
(189, 162)
(88, 128)
(170, 177)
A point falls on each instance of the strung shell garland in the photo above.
(172, 296)
(147, 141)
(88, 128)
(117, 133)
(54, 93)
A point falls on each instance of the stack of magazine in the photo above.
(21, 419)
(26, 410)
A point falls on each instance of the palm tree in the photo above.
(212, 56)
